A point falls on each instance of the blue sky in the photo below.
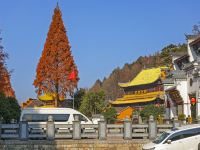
(103, 34)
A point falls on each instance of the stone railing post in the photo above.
(139, 119)
(76, 128)
(152, 128)
(102, 127)
(127, 129)
(176, 122)
(50, 128)
(23, 130)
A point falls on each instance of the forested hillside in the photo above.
(110, 84)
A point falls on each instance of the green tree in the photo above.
(152, 110)
(110, 115)
(9, 108)
(167, 51)
(78, 96)
(92, 103)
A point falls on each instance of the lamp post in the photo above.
(73, 99)
(73, 96)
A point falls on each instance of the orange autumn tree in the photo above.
(5, 84)
(56, 71)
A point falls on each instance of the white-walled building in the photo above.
(184, 82)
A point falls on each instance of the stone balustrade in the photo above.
(51, 130)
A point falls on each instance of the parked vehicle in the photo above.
(182, 138)
(60, 115)
(96, 118)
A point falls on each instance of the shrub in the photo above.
(181, 117)
(9, 108)
(110, 115)
(151, 110)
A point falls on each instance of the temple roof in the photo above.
(48, 97)
(136, 98)
(146, 76)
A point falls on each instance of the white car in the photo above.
(60, 115)
(181, 138)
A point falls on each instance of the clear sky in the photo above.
(103, 34)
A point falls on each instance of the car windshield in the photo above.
(161, 138)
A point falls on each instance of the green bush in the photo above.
(92, 103)
(110, 115)
(152, 110)
(9, 109)
(181, 117)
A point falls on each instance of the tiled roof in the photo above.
(168, 81)
(138, 98)
(188, 65)
(191, 36)
(146, 76)
(48, 97)
(180, 74)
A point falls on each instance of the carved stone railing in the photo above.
(52, 130)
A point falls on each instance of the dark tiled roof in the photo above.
(191, 36)
(168, 81)
(119, 109)
(183, 56)
(180, 74)
(35, 103)
(188, 65)
(180, 54)
(196, 40)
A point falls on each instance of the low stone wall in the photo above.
(73, 145)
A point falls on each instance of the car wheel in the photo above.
(199, 146)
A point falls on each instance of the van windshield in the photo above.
(44, 117)
(161, 137)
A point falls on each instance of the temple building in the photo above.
(145, 89)
(46, 100)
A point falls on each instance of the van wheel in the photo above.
(199, 146)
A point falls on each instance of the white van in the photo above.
(182, 138)
(60, 115)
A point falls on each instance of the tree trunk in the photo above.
(56, 97)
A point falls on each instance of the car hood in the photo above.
(149, 145)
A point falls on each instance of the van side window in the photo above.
(80, 117)
(44, 117)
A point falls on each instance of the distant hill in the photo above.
(110, 84)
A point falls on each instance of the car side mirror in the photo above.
(169, 141)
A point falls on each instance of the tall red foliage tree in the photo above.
(56, 71)
(5, 84)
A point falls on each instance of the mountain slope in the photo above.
(129, 71)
